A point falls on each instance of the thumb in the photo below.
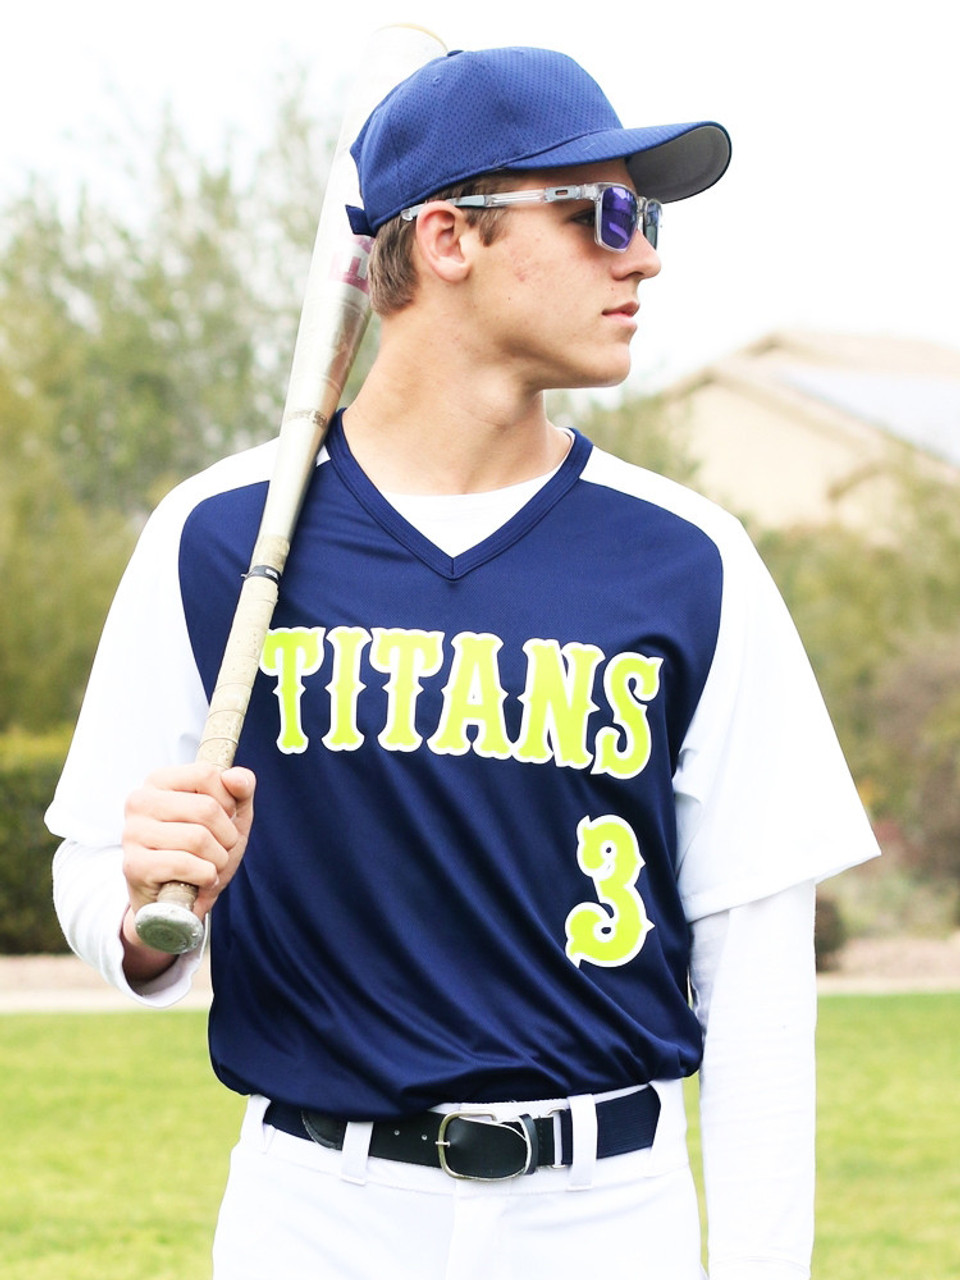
(240, 782)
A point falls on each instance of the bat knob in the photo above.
(170, 927)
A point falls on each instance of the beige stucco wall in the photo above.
(779, 464)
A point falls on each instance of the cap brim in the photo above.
(667, 162)
(693, 159)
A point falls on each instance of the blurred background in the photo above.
(798, 358)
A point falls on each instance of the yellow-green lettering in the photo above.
(629, 681)
(290, 653)
(345, 688)
(473, 696)
(557, 703)
(406, 656)
(612, 931)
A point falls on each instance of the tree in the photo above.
(918, 733)
(158, 331)
(881, 623)
(138, 342)
(59, 562)
(635, 427)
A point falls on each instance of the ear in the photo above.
(445, 241)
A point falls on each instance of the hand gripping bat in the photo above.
(332, 323)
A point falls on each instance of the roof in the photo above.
(922, 411)
(908, 389)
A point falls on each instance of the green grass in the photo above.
(888, 1148)
(115, 1139)
(889, 1138)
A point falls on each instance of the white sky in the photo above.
(840, 210)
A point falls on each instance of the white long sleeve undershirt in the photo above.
(754, 977)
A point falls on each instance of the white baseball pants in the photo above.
(294, 1210)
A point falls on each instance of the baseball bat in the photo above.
(333, 319)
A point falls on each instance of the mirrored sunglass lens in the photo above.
(651, 222)
(618, 217)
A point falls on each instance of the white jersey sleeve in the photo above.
(145, 704)
(764, 796)
(144, 709)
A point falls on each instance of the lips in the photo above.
(628, 309)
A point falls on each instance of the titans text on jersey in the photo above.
(557, 696)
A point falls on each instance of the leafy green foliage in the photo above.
(60, 560)
(881, 623)
(831, 932)
(156, 341)
(29, 768)
(635, 427)
(139, 341)
(917, 748)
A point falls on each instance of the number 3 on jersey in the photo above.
(612, 931)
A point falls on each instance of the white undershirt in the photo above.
(457, 522)
(754, 977)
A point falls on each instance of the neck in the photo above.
(433, 420)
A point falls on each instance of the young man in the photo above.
(536, 751)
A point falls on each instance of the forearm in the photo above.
(92, 904)
(754, 973)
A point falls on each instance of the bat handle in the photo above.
(169, 923)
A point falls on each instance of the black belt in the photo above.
(471, 1144)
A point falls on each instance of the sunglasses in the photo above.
(617, 211)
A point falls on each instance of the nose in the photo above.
(640, 258)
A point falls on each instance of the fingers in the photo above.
(187, 823)
(230, 788)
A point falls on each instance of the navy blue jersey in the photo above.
(461, 880)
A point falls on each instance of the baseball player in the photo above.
(544, 782)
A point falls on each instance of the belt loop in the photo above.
(356, 1147)
(583, 1123)
(558, 1162)
(253, 1128)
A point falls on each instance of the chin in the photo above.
(608, 377)
(609, 370)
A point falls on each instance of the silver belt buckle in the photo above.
(486, 1120)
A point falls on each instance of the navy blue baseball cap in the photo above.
(471, 113)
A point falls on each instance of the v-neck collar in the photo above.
(387, 516)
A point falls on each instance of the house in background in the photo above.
(809, 428)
